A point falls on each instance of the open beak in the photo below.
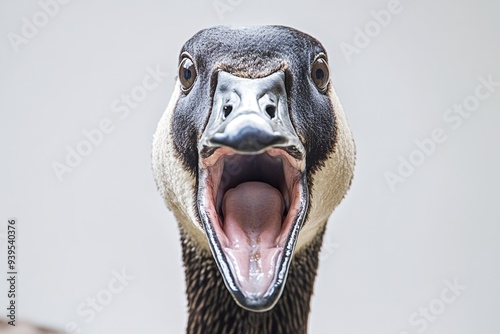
(252, 192)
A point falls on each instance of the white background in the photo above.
(387, 253)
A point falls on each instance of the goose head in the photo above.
(253, 153)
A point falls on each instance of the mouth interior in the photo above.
(253, 203)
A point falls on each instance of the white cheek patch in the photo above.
(175, 184)
(331, 182)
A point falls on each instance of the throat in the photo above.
(212, 309)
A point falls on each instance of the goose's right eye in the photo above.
(187, 73)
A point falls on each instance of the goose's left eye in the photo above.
(320, 74)
(187, 73)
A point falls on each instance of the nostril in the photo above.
(227, 110)
(271, 110)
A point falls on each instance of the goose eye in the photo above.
(320, 74)
(187, 73)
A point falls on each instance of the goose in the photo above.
(252, 155)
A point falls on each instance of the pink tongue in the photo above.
(253, 213)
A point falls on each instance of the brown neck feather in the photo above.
(213, 310)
